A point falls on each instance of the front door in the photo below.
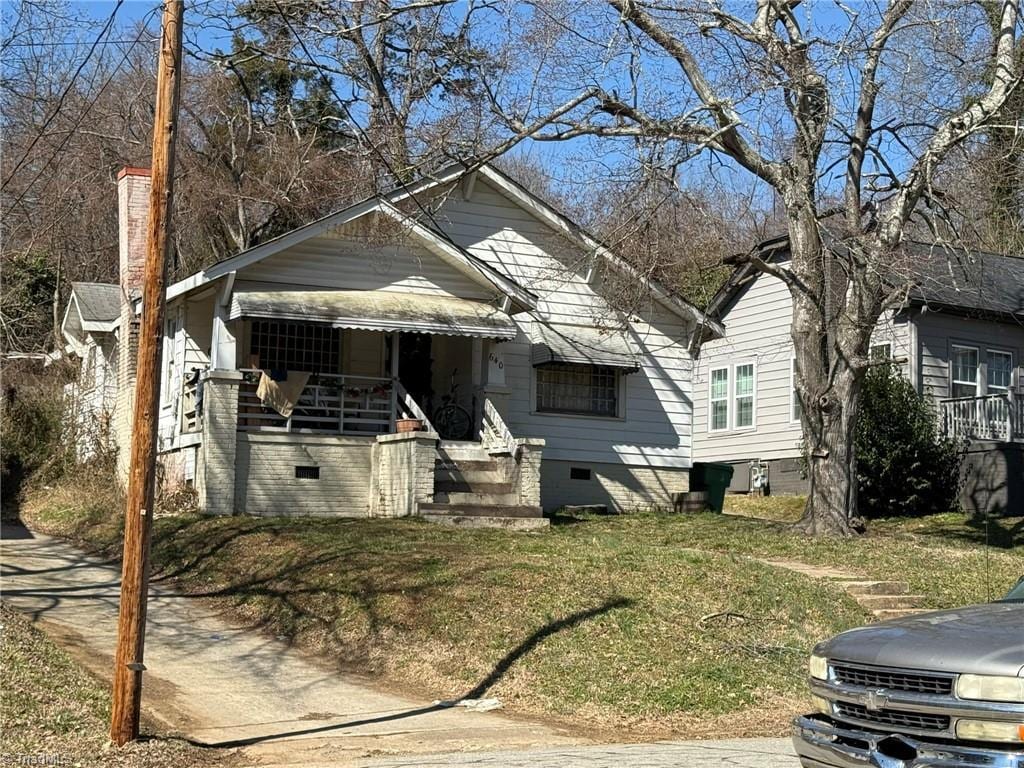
(416, 368)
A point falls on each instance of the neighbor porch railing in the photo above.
(985, 417)
(329, 404)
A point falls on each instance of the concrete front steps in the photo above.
(885, 599)
(471, 491)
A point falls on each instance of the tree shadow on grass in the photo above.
(500, 670)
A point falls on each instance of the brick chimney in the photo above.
(133, 185)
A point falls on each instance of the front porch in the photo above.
(993, 417)
(333, 447)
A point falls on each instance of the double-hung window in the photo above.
(584, 390)
(999, 371)
(731, 392)
(719, 399)
(743, 396)
(965, 371)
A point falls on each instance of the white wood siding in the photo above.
(656, 428)
(757, 331)
(346, 262)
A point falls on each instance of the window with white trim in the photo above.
(718, 399)
(999, 371)
(585, 390)
(795, 409)
(744, 396)
(964, 371)
(282, 346)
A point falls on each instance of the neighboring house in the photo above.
(289, 368)
(958, 337)
(90, 330)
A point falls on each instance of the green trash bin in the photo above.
(712, 479)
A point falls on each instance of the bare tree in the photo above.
(854, 104)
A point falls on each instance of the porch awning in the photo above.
(376, 311)
(556, 343)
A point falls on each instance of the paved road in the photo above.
(230, 686)
(739, 753)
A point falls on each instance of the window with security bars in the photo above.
(296, 346)
(590, 390)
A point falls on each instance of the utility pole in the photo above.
(138, 518)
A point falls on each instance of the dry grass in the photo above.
(780, 509)
(54, 713)
(601, 621)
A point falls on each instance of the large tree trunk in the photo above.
(831, 328)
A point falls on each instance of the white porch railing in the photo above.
(408, 408)
(495, 434)
(329, 404)
(986, 417)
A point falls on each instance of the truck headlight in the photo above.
(988, 730)
(818, 667)
(990, 688)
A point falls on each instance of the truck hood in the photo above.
(979, 639)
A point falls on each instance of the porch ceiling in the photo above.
(377, 311)
(558, 343)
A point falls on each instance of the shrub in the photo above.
(34, 443)
(904, 467)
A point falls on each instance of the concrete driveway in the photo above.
(224, 685)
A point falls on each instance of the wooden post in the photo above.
(128, 666)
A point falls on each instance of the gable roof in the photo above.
(473, 267)
(97, 302)
(972, 283)
(439, 242)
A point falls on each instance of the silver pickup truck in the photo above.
(942, 690)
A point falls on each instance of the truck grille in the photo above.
(897, 719)
(893, 679)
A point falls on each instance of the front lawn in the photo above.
(638, 625)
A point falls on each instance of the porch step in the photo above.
(463, 485)
(489, 521)
(462, 490)
(481, 510)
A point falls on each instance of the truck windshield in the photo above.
(1017, 593)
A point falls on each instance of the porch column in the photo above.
(223, 354)
(394, 379)
(215, 479)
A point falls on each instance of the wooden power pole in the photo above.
(131, 631)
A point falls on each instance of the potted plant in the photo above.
(408, 425)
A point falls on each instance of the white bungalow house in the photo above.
(461, 304)
(958, 337)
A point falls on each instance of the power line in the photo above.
(63, 96)
(82, 114)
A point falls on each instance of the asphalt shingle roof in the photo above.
(97, 302)
(974, 280)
